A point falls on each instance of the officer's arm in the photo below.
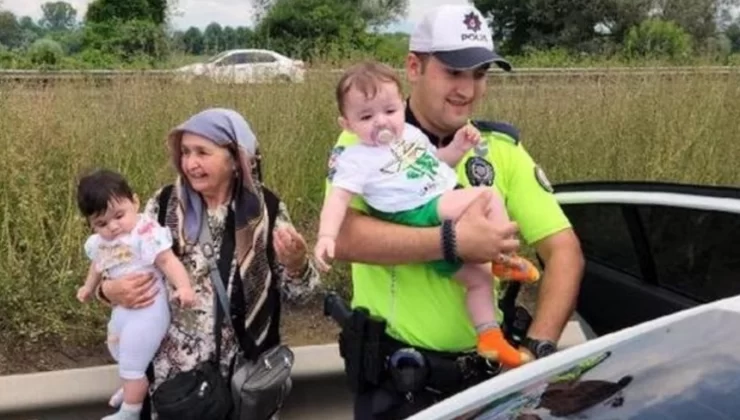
(543, 224)
(370, 240)
(561, 254)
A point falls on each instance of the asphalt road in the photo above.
(319, 399)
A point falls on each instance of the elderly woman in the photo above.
(215, 154)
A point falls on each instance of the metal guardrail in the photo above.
(23, 74)
(319, 386)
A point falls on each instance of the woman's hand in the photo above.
(290, 250)
(133, 291)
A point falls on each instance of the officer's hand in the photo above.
(480, 240)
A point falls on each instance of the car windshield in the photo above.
(687, 370)
(217, 57)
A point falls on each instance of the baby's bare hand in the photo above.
(472, 135)
(466, 138)
(324, 248)
(84, 293)
(186, 296)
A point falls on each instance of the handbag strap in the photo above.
(221, 299)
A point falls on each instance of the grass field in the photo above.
(678, 129)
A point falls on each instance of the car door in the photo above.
(233, 68)
(652, 249)
(264, 65)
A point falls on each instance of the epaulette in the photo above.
(499, 127)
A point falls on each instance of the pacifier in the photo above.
(385, 136)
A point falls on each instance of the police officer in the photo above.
(426, 323)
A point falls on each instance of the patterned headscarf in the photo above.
(226, 127)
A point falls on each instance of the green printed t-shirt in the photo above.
(424, 309)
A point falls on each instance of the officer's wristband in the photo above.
(449, 243)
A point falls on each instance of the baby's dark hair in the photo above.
(98, 188)
(365, 76)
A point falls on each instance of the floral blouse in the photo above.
(190, 337)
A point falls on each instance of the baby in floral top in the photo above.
(127, 242)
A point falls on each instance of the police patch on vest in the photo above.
(539, 174)
(479, 171)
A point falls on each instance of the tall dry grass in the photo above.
(680, 129)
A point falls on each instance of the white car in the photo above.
(660, 294)
(247, 66)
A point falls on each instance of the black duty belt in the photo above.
(413, 368)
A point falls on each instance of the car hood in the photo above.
(196, 68)
(679, 364)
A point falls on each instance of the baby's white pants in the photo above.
(134, 335)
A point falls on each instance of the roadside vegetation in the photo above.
(679, 128)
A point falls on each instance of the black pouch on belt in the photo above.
(445, 373)
(409, 370)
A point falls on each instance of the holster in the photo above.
(360, 346)
(366, 350)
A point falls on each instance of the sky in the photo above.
(226, 12)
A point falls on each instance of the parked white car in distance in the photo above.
(247, 66)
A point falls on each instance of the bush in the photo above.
(656, 38)
(46, 52)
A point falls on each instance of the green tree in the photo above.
(58, 16)
(127, 29)
(260, 8)
(244, 36)
(193, 41)
(108, 11)
(30, 31)
(572, 23)
(377, 13)
(158, 11)
(306, 28)
(228, 38)
(733, 34)
(10, 33)
(213, 38)
(543, 23)
(697, 17)
(621, 15)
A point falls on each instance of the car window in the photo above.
(233, 59)
(604, 235)
(227, 61)
(217, 57)
(241, 58)
(263, 58)
(694, 250)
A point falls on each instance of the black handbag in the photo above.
(201, 393)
